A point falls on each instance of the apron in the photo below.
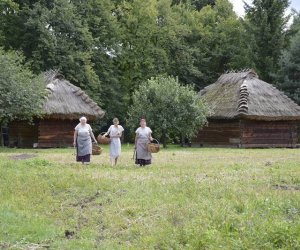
(142, 148)
(84, 144)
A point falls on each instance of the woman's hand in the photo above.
(75, 138)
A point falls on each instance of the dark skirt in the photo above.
(142, 162)
(84, 158)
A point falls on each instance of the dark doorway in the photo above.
(4, 134)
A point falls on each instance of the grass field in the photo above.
(187, 199)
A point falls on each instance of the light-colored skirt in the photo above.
(115, 148)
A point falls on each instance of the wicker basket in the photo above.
(103, 139)
(96, 149)
(154, 147)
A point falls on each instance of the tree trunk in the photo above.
(182, 141)
(164, 139)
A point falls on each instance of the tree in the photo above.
(106, 34)
(266, 26)
(8, 8)
(21, 92)
(52, 35)
(169, 107)
(227, 48)
(288, 78)
(208, 42)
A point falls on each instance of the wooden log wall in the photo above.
(220, 133)
(256, 134)
(56, 133)
(22, 135)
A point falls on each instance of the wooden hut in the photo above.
(64, 104)
(248, 112)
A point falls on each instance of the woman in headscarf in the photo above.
(83, 136)
(142, 138)
(115, 133)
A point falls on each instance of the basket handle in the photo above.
(157, 142)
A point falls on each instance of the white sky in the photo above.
(238, 5)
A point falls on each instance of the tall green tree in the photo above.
(169, 107)
(266, 25)
(288, 78)
(52, 35)
(100, 17)
(142, 52)
(213, 42)
(178, 40)
(21, 92)
(8, 27)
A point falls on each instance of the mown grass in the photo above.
(187, 199)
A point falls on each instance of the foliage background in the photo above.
(110, 47)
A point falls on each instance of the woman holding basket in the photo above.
(142, 139)
(115, 133)
(83, 136)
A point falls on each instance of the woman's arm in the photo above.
(93, 136)
(135, 140)
(75, 138)
(150, 136)
(108, 131)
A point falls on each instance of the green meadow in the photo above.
(187, 199)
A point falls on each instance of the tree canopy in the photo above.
(288, 77)
(21, 92)
(266, 25)
(171, 108)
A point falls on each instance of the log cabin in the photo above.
(247, 112)
(64, 105)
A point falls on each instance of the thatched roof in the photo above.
(243, 94)
(66, 101)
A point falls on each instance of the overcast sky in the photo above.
(238, 5)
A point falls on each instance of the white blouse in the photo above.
(115, 131)
(83, 128)
(143, 132)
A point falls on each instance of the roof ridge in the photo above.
(238, 71)
(243, 99)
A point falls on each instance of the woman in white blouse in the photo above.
(115, 132)
(82, 141)
(142, 139)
